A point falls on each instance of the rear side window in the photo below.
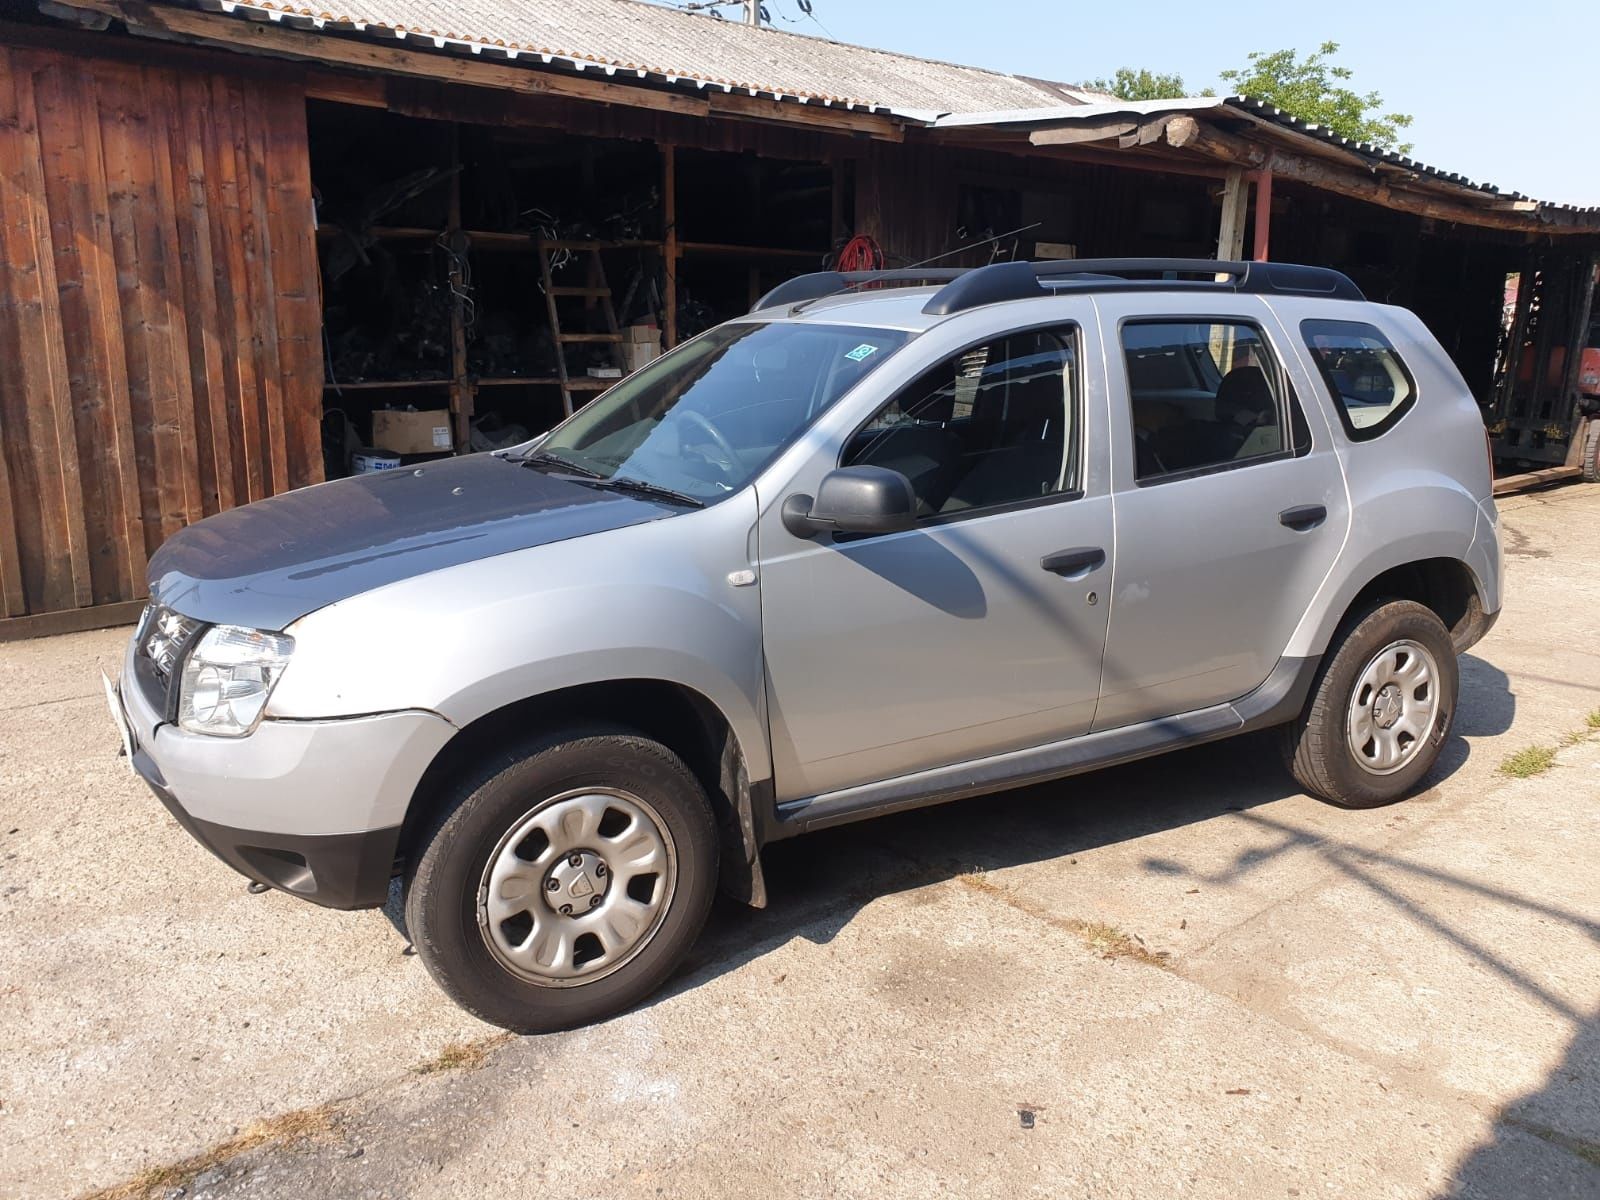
(1365, 374)
(1206, 395)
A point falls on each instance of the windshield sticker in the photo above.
(862, 352)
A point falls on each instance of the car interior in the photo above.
(986, 427)
(1189, 413)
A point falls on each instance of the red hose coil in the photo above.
(861, 253)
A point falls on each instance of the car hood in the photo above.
(272, 562)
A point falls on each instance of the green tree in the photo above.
(1316, 90)
(1143, 85)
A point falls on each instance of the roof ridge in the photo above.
(772, 29)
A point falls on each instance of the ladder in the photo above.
(596, 289)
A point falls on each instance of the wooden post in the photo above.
(461, 388)
(669, 251)
(1263, 215)
(1230, 239)
(838, 224)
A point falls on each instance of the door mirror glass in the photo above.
(854, 500)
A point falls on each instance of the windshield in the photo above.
(704, 420)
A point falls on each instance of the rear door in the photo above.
(1230, 502)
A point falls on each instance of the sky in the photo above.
(1503, 93)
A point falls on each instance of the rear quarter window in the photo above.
(1371, 385)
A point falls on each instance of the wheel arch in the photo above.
(1445, 585)
(672, 713)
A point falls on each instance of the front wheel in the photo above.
(1380, 710)
(563, 883)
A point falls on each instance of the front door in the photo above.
(979, 631)
(1230, 509)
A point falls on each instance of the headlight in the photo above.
(227, 678)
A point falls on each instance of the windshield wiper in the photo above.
(654, 490)
(546, 459)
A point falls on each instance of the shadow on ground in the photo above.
(1565, 1114)
(819, 881)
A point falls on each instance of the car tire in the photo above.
(1380, 709)
(596, 816)
(1591, 450)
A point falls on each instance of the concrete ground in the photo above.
(1175, 978)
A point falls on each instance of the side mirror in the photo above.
(854, 500)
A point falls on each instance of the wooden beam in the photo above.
(71, 620)
(1080, 132)
(1151, 159)
(265, 38)
(757, 108)
(1148, 134)
(1230, 238)
(461, 390)
(1186, 133)
(1508, 484)
(363, 91)
(669, 250)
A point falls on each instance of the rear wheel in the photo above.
(1380, 710)
(563, 883)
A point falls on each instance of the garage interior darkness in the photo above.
(431, 235)
(434, 238)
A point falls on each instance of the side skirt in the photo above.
(1280, 698)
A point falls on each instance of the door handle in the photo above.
(1303, 516)
(1074, 564)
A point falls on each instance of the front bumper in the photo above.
(336, 870)
(313, 808)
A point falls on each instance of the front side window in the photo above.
(1365, 375)
(1204, 395)
(703, 421)
(994, 424)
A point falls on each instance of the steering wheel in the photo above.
(716, 435)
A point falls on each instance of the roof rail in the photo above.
(828, 283)
(1021, 280)
(973, 287)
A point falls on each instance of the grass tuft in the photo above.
(1528, 762)
(298, 1126)
(1105, 940)
(462, 1056)
(1593, 719)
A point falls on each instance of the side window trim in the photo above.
(1395, 415)
(1071, 333)
(1291, 413)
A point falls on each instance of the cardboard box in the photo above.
(636, 354)
(642, 333)
(412, 432)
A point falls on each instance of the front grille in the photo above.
(163, 637)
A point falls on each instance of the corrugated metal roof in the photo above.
(1052, 115)
(665, 46)
(649, 41)
(1268, 112)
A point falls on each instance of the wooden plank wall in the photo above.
(160, 325)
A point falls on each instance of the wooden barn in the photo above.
(245, 246)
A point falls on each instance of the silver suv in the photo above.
(888, 540)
